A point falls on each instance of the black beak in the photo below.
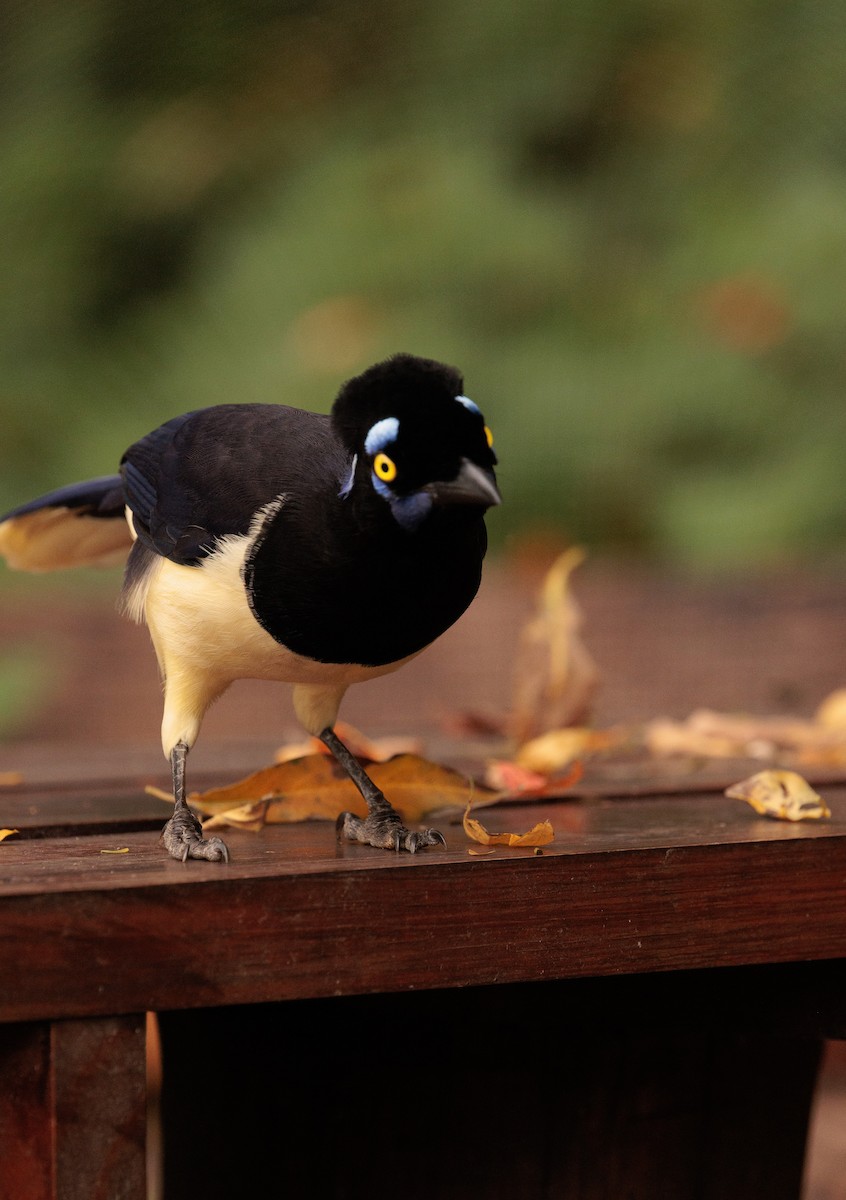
(472, 485)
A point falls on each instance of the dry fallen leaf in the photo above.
(831, 713)
(512, 780)
(555, 676)
(5, 833)
(666, 737)
(515, 780)
(118, 850)
(560, 747)
(727, 735)
(316, 787)
(540, 835)
(250, 817)
(783, 795)
(373, 749)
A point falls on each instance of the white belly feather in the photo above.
(206, 637)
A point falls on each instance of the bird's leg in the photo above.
(383, 825)
(183, 834)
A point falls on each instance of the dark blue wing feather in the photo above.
(102, 497)
(205, 475)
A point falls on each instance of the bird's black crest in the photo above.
(389, 389)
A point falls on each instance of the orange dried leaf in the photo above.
(316, 787)
(5, 833)
(540, 835)
(418, 787)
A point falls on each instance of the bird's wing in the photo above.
(79, 525)
(206, 475)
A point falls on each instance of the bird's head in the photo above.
(416, 440)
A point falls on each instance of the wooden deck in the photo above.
(639, 1010)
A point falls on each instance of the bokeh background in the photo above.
(625, 220)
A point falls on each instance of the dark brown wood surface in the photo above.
(666, 883)
(72, 1110)
(637, 1011)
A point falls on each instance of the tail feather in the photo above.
(75, 526)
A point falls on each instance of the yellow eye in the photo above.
(385, 468)
(488, 435)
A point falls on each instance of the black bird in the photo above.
(266, 542)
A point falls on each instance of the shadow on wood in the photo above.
(565, 1090)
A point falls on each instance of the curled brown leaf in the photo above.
(539, 835)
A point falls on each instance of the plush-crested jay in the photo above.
(266, 542)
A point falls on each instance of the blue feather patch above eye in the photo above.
(468, 403)
(382, 434)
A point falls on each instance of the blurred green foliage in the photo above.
(625, 220)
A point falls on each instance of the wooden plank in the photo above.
(73, 1110)
(99, 1073)
(26, 1160)
(627, 888)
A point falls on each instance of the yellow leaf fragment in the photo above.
(5, 833)
(831, 713)
(540, 835)
(10, 778)
(558, 748)
(783, 795)
(555, 676)
(119, 850)
(159, 793)
(250, 817)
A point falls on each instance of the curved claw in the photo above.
(214, 849)
(426, 837)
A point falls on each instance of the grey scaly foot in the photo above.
(183, 838)
(386, 831)
(183, 833)
(382, 827)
